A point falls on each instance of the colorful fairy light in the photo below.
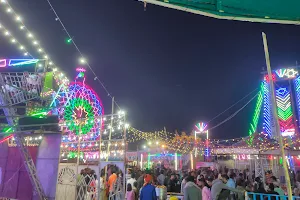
(28, 34)
(287, 73)
(284, 110)
(201, 127)
(80, 110)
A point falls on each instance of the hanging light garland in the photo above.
(58, 74)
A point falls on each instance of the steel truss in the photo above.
(19, 88)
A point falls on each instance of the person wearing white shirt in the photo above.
(131, 181)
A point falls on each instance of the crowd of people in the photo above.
(202, 184)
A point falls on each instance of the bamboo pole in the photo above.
(275, 115)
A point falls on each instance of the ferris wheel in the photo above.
(80, 110)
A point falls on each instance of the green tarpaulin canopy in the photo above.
(267, 11)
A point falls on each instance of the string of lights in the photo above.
(82, 59)
(13, 40)
(33, 39)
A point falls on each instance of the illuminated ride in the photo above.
(27, 89)
(287, 93)
(80, 110)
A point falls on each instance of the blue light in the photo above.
(297, 88)
(18, 62)
(267, 109)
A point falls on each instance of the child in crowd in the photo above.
(130, 194)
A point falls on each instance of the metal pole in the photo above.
(111, 127)
(274, 112)
(125, 150)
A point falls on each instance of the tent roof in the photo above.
(266, 11)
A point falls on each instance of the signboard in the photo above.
(204, 164)
(131, 156)
(283, 74)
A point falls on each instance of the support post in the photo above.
(111, 126)
(274, 112)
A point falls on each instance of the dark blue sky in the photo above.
(165, 67)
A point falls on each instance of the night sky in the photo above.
(164, 67)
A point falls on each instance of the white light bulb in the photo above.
(22, 27)
(35, 42)
(3, 1)
(8, 10)
(0, 26)
(40, 50)
(6, 33)
(13, 40)
(55, 69)
(30, 35)
(50, 63)
(21, 47)
(26, 54)
(82, 60)
(18, 18)
(45, 56)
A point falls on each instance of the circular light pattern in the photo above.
(80, 109)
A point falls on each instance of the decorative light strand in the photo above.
(7, 34)
(297, 89)
(82, 59)
(254, 122)
(267, 109)
(10, 11)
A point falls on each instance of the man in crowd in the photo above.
(219, 191)
(191, 190)
(161, 178)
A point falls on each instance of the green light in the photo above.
(254, 123)
(80, 114)
(69, 40)
(280, 161)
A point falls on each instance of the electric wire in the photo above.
(233, 105)
(234, 114)
(78, 50)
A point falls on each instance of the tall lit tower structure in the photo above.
(201, 128)
(287, 93)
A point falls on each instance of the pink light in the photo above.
(6, 138)
(80, 69)
(3, 63)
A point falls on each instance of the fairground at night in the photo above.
(149, 100)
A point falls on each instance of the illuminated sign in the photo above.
(17, 62)
(286, 73)
(242, 157)
(281, 74)
(288, 132)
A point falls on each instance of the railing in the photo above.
(261, 196)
